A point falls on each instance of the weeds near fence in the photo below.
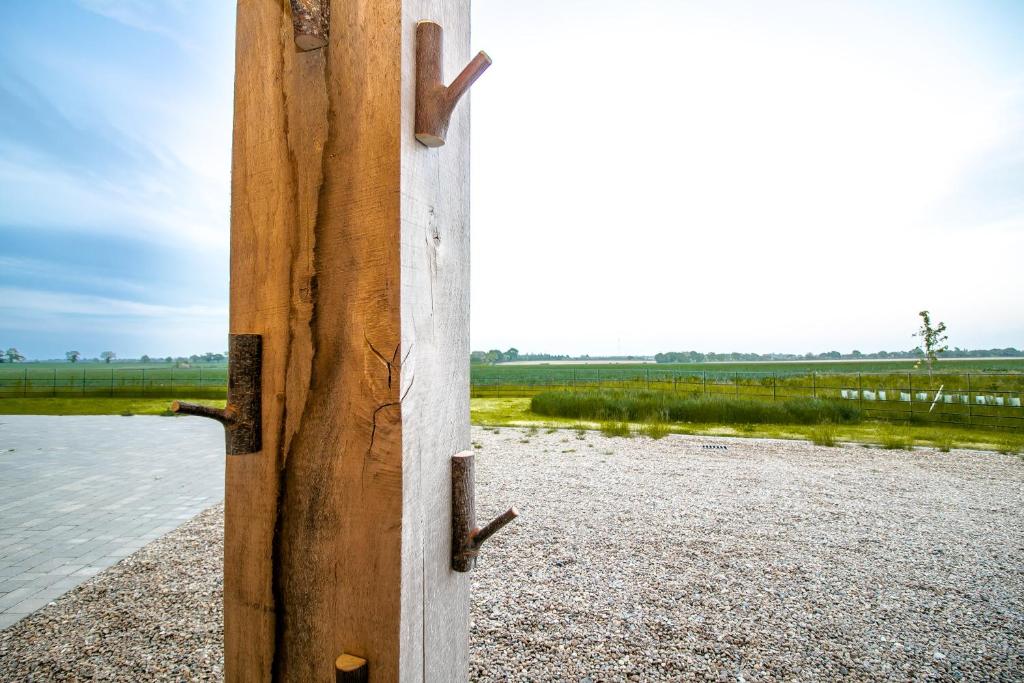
(651, 406)
(1008, 448)
(893, 439)
(616, 429)
(655, 430)
(824, 435)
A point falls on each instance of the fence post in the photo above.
(53, 389)
(24, 384)
(970, 411)
(83, 381)
(736, 381)
(775, 382)
(647, 378)
(143, 392)
(704, 382)
(814, 384)
(910, 388)
(860, 390)
(111, 381)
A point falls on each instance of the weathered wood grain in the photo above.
(350, 255)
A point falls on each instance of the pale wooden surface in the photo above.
(435, 334)
(350, 254)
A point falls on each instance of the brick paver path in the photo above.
(77, 494)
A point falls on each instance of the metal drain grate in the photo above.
(714, 446)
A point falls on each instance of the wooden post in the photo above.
(350, 258)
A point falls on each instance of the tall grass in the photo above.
(824, 435)
(616, 429)
(653, 406)
(895, 439)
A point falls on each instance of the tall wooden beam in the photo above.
(350, 257)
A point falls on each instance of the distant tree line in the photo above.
(13, 356)
(513, 354)
(913, 354)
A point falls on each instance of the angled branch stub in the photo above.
(311, 20)
(467, 537)
(351, 669)
(242, 416)
(435, 101)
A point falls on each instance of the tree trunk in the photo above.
(350, 256)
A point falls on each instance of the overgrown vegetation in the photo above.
(896, 439)
(655, 430)
(616, 429)
(515, 412)
(651, 406)
(824, 435)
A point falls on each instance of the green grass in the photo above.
(764, 382)
(616, 429)
(511, 373)
(651, 406)
(824, 434)
(896, 438)
(893, 391)
(492, 413)
(92, 406)
(515, 412)
(655, 430)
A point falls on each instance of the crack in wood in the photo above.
(391, 404)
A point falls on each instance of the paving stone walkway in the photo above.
(77, 494)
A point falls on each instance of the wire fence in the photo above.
(975, 399)
(114, 383)
(970, 399)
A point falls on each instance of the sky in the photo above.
(646, 176)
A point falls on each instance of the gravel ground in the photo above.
(649, 560)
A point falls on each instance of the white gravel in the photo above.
(649, 560)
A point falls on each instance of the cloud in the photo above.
(163, 18)
(58, 275)
(72, 303)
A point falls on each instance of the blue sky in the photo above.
(114, 167)
(710, 175)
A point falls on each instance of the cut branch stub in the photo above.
(435, 101)
(351, 669)
(242, 415)
(467, 537)
(312, 22)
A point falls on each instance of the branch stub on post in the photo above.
(467, 537)
(435, 102)
(351, 669)
(311, 20)
(242, 416)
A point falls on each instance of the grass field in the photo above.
(974, 392)
(515, 412)
(510, 373)
(125, 380)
